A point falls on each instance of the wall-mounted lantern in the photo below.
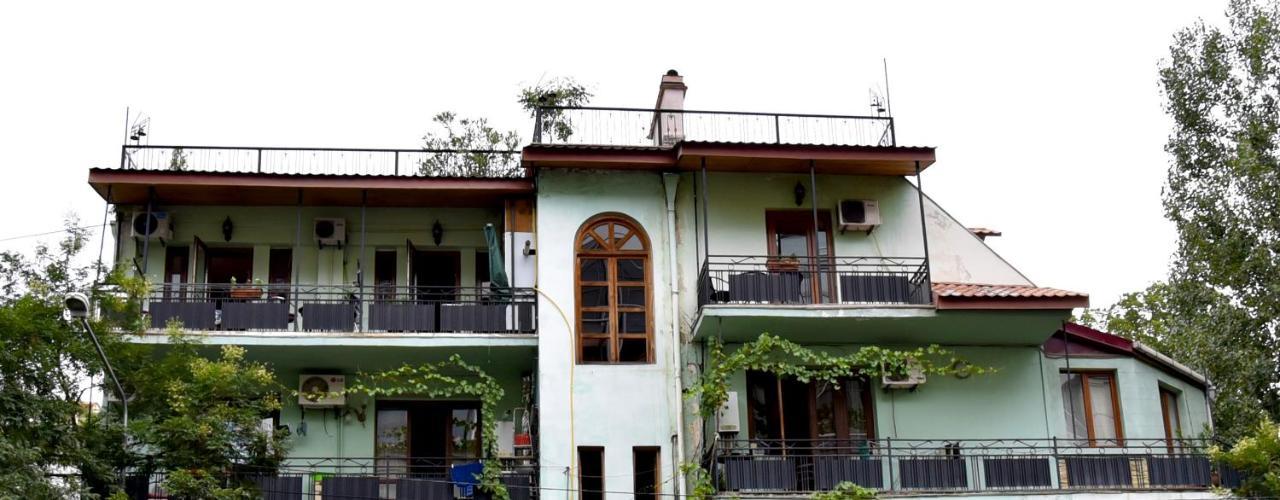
(437, 233)
(799, 192)
(226, 229)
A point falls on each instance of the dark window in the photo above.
(645, 470)
(591, 472)
(613, 290)
(482, 268)
(280, 271)
(384, 274)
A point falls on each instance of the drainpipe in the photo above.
(671, 181)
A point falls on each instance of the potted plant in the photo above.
(253, 291)
(783, 264)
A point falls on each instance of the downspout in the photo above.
(671, 181)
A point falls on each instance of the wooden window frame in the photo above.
(657, 467)
(1088, 404)
(841, 399)
(612, 254)
(1169, 405)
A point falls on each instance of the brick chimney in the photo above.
(669, 127)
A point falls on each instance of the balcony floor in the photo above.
(351, 339)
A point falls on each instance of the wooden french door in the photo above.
(792, 234)
(785, 413)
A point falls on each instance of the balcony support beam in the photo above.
(706, 200)
(294, 260)
(364, 201)
(146, 239)
(102, 241)
(924, 237)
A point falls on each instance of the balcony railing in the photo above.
(432, 478)
(661, 128)
(310, 161)
(336, 308)
(960, 466)
(773, 280)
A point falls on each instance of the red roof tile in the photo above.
(973, 290)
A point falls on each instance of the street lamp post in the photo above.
(78, 308)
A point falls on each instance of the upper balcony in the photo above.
(667, 138)
(216, 175)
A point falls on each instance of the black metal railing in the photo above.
(662, 128)
(774, 280)
(419, 478)
(338, 308)
(997, 465)
(328, 161)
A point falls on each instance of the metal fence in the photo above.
(649, 127)
(774, 280)
(414, 478)
(316, 161)
(338, 308)
(958, 466)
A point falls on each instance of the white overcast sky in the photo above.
(1046, 115)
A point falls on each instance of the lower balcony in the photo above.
(336, 308)
(915, 467)
(416, 478)
(778, 280)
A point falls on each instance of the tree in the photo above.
(1255, 457)
(469, 147)
(44, 364)
(1220, 308)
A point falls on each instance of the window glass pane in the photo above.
(1104, 417)
(595, 296)
(825, 408)
(589, 243)
(391, 446)
(619, 233)
(594, 270)
(633, 350)
(601, 232)
(1175, 424)
(792, 245)
(595, 322)
(633, 243)
(1073, 405)
(855, 391)
(630, 270)
(595, 349)
(632, 322)
(465, 433)
(631, 296)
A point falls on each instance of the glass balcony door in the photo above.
(797, 246)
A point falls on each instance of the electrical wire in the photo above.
(33, 235)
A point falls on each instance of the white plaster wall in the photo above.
(613, 406)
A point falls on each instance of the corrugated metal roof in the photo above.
(975, 290)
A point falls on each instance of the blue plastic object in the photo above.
(465, 477)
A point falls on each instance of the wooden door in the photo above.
(792, 234)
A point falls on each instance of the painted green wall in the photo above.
(1138, 385)
(264, 228)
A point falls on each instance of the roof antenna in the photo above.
(888, 106)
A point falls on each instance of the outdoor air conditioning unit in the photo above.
(914, 377)
(859, 215)
(330, 232)
(729, 418)
(318, 391)
(161, 225)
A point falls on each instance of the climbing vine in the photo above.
(446, 379)
(784, 358)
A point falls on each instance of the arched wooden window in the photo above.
(615, 324)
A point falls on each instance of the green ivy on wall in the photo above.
(447, 379)
(781, 357)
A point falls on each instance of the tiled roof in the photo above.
(972, 290)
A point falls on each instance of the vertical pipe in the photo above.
(924, 234)
(671, 181)
(364, 202)
(102, 238)
(297, 247)
(816, 268)
(146, 237)
(706, 199)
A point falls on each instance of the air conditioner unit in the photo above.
(729, 418)
(317, 391)
(330, 231)
(914, 377)
(859, 215)
(161, 225)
